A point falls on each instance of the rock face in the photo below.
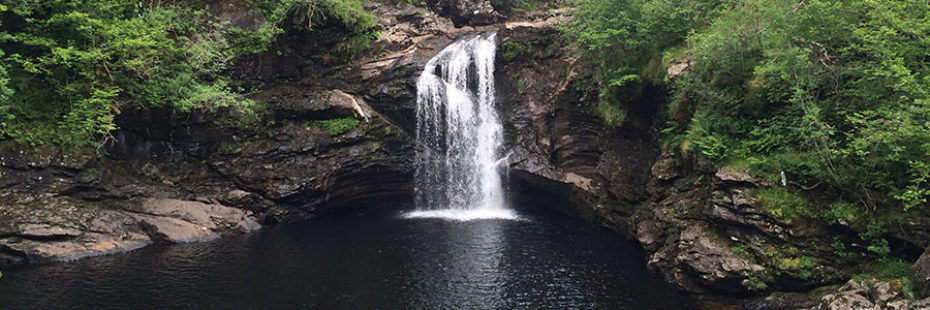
(870, 296)
(466, 12)
(921, 275)
(711, 234)
(183, 179)
(65, 228)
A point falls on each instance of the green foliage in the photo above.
(336, 126)
(521, 87)
(803, 265)
(756, 284)
(506, 5)
(840, 249)
(894, 270)
(307, 15)
(609, 33)
(623, 41)
(73, 65)
(613, 114)
(874, 236)
(835, 94)
(510, 50)
(783, 204)
(741, 250)
(68, 68)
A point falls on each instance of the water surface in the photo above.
(363, 261)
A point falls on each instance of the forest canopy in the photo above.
(67, 68)
(834, 94)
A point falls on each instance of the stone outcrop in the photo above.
(191, 178)
(466, 12)
(871, 296)
(921, 274)
(65, 228)
(711, 235)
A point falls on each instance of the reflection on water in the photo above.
(464, 267)
(363, 262)
(464, 215)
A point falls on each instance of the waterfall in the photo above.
(459, 134)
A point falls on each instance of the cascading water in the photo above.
(459, 134)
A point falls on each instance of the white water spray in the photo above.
(459, 134)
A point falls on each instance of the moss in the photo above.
(515, 4)
(336, 126)
(510, 50)
(613, 114)
(754, 283)
(803, 265)
(521, 87)
(783, 204)
(895, 271)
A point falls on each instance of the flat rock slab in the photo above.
(209, 216)
(64, 228)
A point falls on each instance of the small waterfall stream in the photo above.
(459, 134)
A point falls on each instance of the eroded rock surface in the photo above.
(190, 178)
(65, 228)
(921, 274)
(466, 12)
(856, 295)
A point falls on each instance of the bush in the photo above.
(783, 204)
(890, 269)
(833, 94)
(510, 50)
(68, 68)
(336, 126)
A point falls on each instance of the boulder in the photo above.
(667, 168)
(711, 264)
(870, 295)
(466, 12)
(737, 177)
(921, 274)
(66, 228)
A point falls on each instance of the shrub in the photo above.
(68, 68)
(336, 126)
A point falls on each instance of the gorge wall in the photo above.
(179, 178)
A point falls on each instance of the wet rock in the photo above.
(234, 14)
(921, 274)
(289, 103)
(667, 168)
(921, 304)
(47, 230)
(714, 265)
(679, 68)
(212, 217)
(466, 12)
(66, 228)
(650, 234)
(870, 295)
(731, 175)
(174, 230)
(61, 228)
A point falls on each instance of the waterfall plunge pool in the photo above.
(364, 261)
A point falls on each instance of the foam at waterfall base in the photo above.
(464, 215)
